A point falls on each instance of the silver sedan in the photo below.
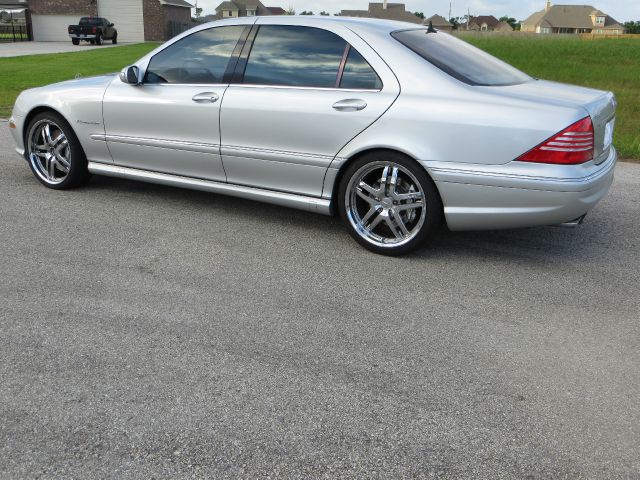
(395, 128)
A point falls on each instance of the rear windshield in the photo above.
(92, 22)
(459, 59)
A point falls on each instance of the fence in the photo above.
(14, 33)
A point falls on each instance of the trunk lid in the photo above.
(600, 105)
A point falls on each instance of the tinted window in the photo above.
(296, 56)
(90, 21)
(358, 73)
(461, 60)
(199, 58)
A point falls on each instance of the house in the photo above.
(135, 20)
(486, 23)
(384, 10)
(439, 23)
(241, 8)
(572, 19)
(277, 10)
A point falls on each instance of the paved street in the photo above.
(151, 332)
(18, 49)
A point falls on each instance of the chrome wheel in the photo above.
(49, 152)
(385, 204)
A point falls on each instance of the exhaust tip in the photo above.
(573, 223)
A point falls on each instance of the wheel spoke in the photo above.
(393, 182)
(375, 223)
(60, 140)
(62, 163)
(395, 223)
(367, 193)
(372, 211)
(46, 134)
(409, 206)
(403, 197)
(384, 180)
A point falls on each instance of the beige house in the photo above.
(572, 19)
(439, 23)
(241, 8)
(384, 10)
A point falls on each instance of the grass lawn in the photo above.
(606, 64)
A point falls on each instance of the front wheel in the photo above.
(54, 153)
(114, 40)
(389, 203)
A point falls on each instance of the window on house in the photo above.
(251, 13)
(200, 58)
(294, 56)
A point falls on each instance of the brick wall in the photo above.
(64, 7)
(155, 25)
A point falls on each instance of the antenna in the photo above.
(430, 29)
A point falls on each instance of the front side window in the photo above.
(460, 59)
(200, 58)
(294, 56)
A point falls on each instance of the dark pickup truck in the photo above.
(94, 30)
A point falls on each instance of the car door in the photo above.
(301, 93)
(170, 123)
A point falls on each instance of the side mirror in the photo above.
(130, 75)
(110, 25)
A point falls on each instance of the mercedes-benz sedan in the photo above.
(394, 127)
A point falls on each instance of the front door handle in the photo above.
(350, 105)
(206, 97)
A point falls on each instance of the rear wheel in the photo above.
(114, 40)
(389, 204)
(99, 39)
(54, 153)
(75, 41)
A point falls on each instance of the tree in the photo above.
(632, 27)
(511, 21)
(306, 13)
(419, 15)
(290, 11)
(198, 12)
(455, 21)
(325, 14)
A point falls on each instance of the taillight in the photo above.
(94, 29)
(572, 146)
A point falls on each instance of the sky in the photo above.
(621, 10)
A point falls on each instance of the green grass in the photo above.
(20, 73)
(607, 64)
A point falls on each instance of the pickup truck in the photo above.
(94, 30)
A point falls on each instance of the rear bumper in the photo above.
(520, 195)
(82, 37)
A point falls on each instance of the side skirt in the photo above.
(301, 202)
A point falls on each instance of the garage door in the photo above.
(127, 17)
(52, 28)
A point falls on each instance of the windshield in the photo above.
(460, 59)
(92, 22)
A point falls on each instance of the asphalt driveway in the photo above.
(151, 332)
(19, 49)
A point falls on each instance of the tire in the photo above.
(54, 153)
(99, 39)
(388, 203)
(114, 40)
(75, 41)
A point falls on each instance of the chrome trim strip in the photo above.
(280, 156)
(160, 143)
(301, 202)
(293, 87)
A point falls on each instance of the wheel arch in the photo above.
(37, 110)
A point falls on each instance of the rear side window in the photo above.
(459, 59)
(200, 58)
(358, 74)
(294, 56)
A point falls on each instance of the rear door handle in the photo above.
(350, 105)
(206, 97)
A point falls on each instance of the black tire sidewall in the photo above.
(433, 202)
(99, 39)
(78, 172)
(115, 39)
